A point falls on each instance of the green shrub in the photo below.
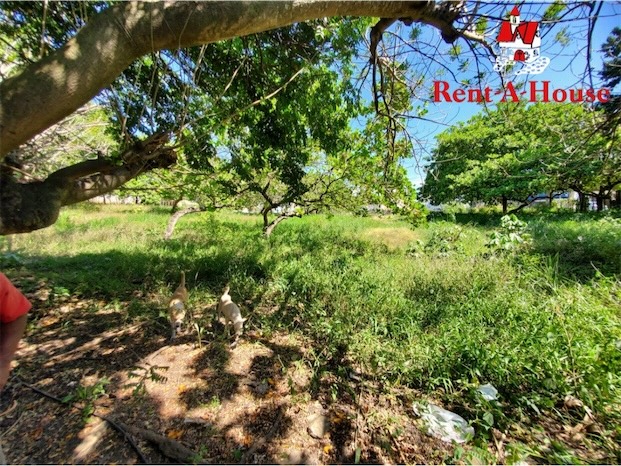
(511, 237)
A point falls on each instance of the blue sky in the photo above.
(566, 69)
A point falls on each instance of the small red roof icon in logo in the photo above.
(526, 31)
(520, 41)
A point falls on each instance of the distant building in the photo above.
(115, 199)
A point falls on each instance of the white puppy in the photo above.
(176, 307)
(231, 313)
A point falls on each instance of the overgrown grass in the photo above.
(435, 310)
(582, 246)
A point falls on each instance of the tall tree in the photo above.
(278, 134)
(514, 153)
(611, 74)
(68, 69)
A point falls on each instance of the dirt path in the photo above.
(262, 402)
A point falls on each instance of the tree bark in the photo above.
(266, 222)
(518, 208)
(175, 204)
(599, 200)
(582, 201)
(74, 74)
(170, 228)
(268, 229)
(25, 207)
(172, 449)
(504, 205)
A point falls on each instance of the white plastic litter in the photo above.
(488, 391)
(444, 424)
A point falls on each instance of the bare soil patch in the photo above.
(255, 403)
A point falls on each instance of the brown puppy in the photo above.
(176, 307)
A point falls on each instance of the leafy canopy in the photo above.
(517, 151)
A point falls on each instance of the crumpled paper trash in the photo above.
(443, 424)
(488, 391)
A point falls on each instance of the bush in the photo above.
(511, 237)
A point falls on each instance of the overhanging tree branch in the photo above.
(74, 74)
(25, 207)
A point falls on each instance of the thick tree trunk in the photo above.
(617, 203)
(504, 205)
(518, 208)
(269, 228)
(176, 202)
(28, 207)
(52, 88)
(582, 202)
(266, 221)
(25, 207)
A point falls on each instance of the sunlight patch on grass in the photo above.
(394, 238)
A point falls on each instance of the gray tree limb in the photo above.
(25, 207)
(54, 87)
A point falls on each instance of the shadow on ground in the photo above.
(97, 335)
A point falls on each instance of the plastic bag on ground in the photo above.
(488, 391)
(444, 424)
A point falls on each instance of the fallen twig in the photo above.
(169, 447)
(7, 431)
(9, 410)
(113, 423)
(259, 443)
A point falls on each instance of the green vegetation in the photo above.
(438, 311)
(517, 152)
(87, 395)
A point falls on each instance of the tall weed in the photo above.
(583, 246)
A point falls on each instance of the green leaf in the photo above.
(488, 419)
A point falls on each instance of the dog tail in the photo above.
(226, 289)
(182, 283)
